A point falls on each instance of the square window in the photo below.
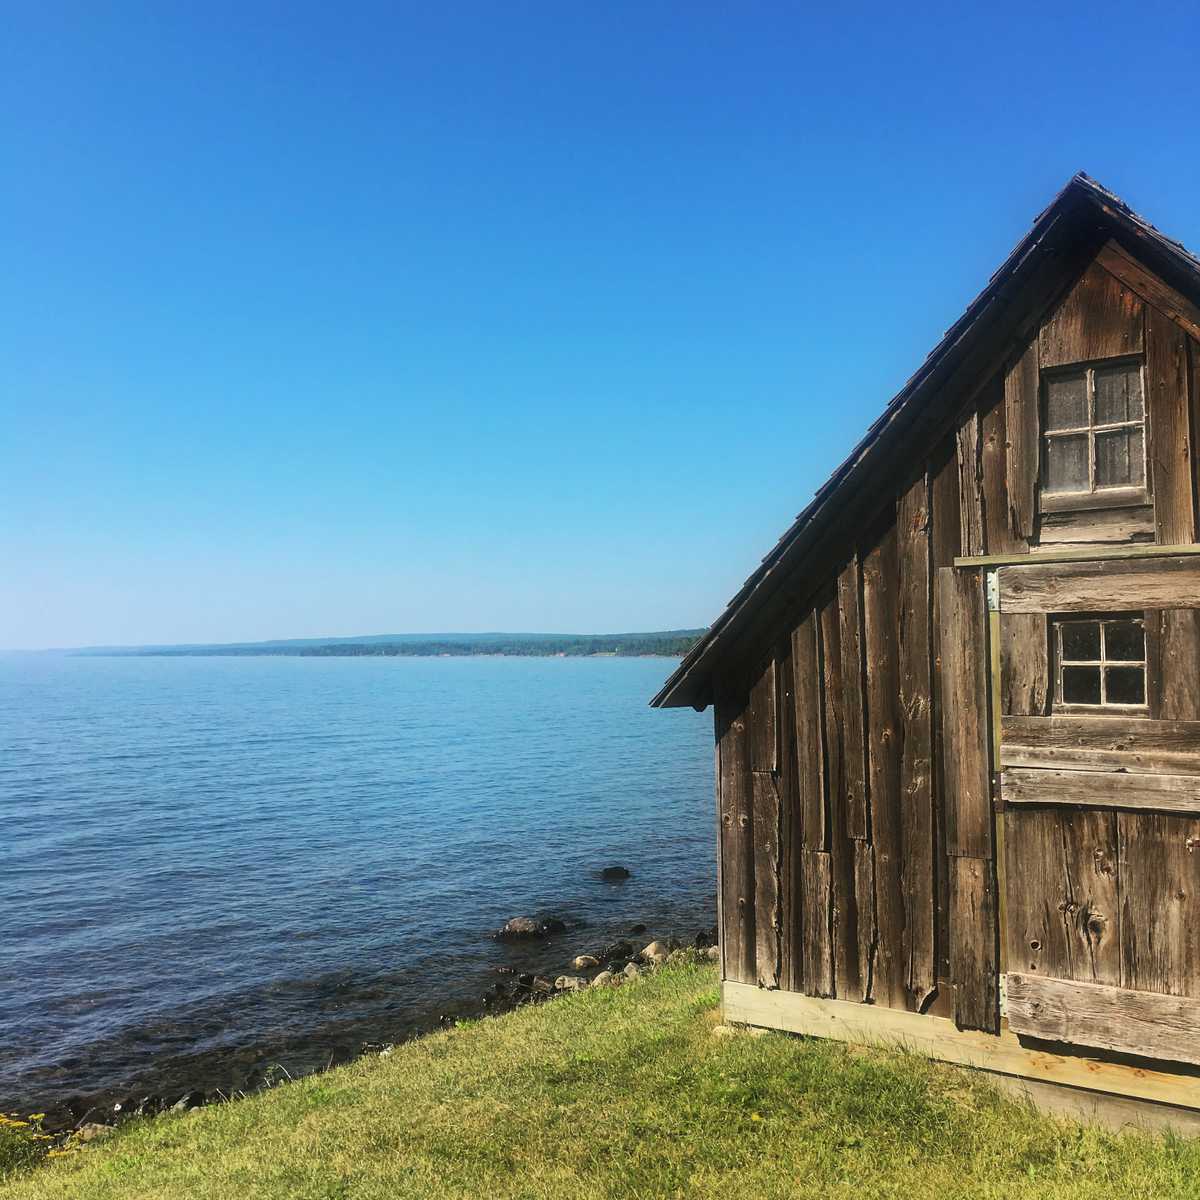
(1094, 433)
(1100, 662)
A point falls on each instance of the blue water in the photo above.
(211, 865)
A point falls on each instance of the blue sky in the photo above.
(323, 319)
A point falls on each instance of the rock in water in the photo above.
(522, 928)
(584, 961)
(614, 874)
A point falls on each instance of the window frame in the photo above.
(1102, 664)
(1122, 496)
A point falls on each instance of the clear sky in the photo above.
(352, 318)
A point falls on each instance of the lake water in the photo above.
(209, 866)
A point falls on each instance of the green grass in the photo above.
(621, 1093)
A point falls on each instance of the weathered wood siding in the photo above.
(854, 758)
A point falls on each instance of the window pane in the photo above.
(1118, 394)
(1066, 464)
(1066, 402)
(1125, 641)
(1119, 458)
(1125, 685)
(1080, 640)
(1081, 685)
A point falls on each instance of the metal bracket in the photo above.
(993, 591)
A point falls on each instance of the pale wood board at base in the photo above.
(939, 1038)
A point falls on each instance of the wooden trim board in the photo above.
(1100, 585)
(1095, 1014)
(1100, 789)
(1082, 554)
(940, 1038)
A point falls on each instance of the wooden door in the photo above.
(1099, 798)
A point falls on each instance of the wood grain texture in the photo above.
(1112, 788)
(841, 845)
(1099, 318)
(998, 535)
(965, 735)
(737, 843)
(1137, 746)
(916, 708)
(1024, 664)
(1110, 1018)
(1179, 664)
(945, 544)
(1124, 266)
(1159, 871)
(810, 735)
(1097, 527)
(852, 691)
(817, 953)
(970, 486)
(973, 951)
(792, 883)
(1099, 585)
(1169, 428)
(763, 727)
(864, 900)
(767, 830)
(884, 736)
(1063, 911)
(1022, 425)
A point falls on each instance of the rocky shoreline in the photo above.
(81, 1118)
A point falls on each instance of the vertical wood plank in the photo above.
(973, 933)
(1170, 449)
(853, 757)
(1024, 664)
(884, 735)
(864, 900)
(810, 750)
(818, 931)
(1063, 911)
(1022, 424)
(945, 544)
(737, 844)
(791, 902)
(768, 917)
(766, 826)
(964, 660)
(1179, 664)
(998, 534)
(763, 731)
(916, 704)
(970, 485)
(1160, 902)
(1098, 318)
(841, 846)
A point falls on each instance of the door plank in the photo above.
(1101, 789)
(964, 657)
(1024, 664)
(1159, 865)
(1062, 904)
(1109, 1018)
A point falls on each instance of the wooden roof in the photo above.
(1080, 219)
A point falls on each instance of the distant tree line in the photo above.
(672, 644)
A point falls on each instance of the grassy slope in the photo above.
(622, 1093)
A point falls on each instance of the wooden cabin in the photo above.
(957, 706)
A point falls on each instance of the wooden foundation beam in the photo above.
(937, 1037)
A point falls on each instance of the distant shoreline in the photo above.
(668, 644)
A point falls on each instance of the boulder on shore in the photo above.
(569, 983)
(603, 979)
(584, 961)
(655, 953)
